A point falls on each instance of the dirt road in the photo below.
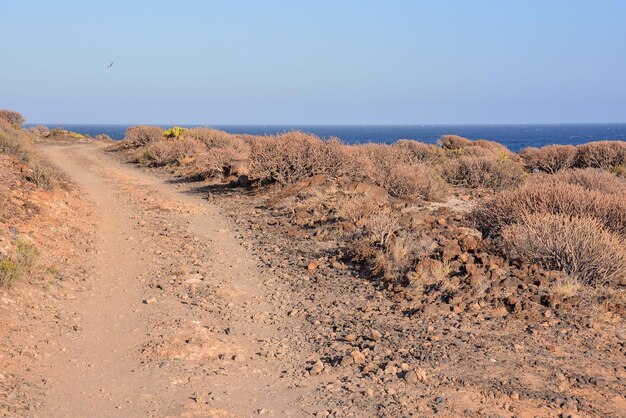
(176, 320)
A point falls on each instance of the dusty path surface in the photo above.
(176, 320)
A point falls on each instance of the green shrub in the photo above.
(174, 132)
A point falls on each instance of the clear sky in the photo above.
(314, 62)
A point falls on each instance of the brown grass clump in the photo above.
(601, 154)
(579, 246)
(137, 136)
(551, 197)
(487, 172)
(549, 159)
(15, 119)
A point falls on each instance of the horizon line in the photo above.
(329, 124)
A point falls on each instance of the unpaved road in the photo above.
(174, 321)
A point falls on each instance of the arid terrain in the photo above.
(192, 273)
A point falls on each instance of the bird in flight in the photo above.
(110, 65)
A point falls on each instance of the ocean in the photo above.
(515, 137)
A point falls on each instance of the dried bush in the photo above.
(454, 142)
(420, 152)
(579, 246)
(382, 226)
(14, 119)
(214, 138)
(358, 209)
(549, 159)
(592, 179)
(217, 162)
(293, 156)
(164, 152)
(390, 167)
(399, 255)
(601, 154)
(551, 197)
(39, 131)
(43, 175)
(416, 180)
(488, 172)
(137, 136)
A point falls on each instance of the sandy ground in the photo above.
(172, 323)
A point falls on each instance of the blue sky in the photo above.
(314, 62)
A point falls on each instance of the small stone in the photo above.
(357, 356)
(313, 265)
(375, 335)
(149, 301)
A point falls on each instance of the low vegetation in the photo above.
(560, 207)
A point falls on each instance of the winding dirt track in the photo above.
(173, 320)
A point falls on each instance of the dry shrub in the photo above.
(390, 167)
(216, 162)
(552, 197)
(454, 142)
(601, 154)
(43, 175)
(180, 152)
(420, 152)
(293, 156)
(549, 159)
(488, 172)
(214, 138)
(579, 246)
(382, 226)
(399, 255)
(137, 136)
(593, 179)
(416, 180)
(39, 131)
(15, 119)
(357, 209)
(221, 152)
(15, 142)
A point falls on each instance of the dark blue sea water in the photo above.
(515, 137)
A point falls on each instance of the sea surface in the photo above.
(515, 137)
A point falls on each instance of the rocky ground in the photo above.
(202, 300)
